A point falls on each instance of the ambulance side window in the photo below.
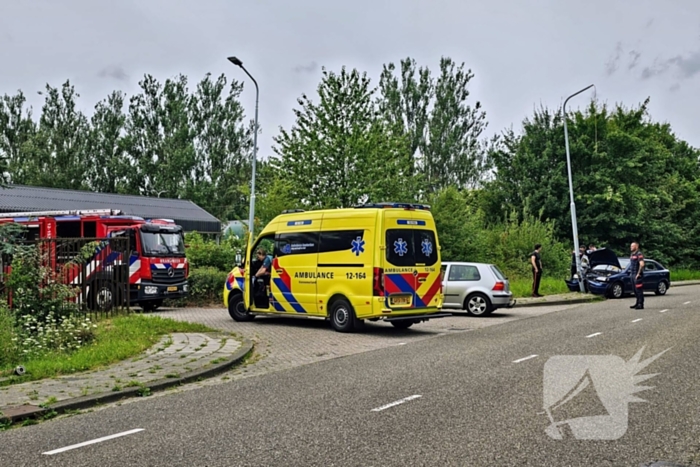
(339, 240)
(296, 243)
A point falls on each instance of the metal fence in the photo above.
(89, 275)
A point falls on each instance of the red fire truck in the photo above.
(154, 268)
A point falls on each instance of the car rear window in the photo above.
(411, 247)
(498, 272)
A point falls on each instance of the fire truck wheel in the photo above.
(151, 305)
(102, 296)
(236, 308)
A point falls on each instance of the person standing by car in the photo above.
(536, 263)
(637, 275)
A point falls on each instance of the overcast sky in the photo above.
(523, 52)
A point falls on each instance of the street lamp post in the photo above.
(251, 216)
(574, 227)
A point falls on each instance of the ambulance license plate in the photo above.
(172, 289)
(401, 300)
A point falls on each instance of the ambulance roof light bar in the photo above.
(74, 212)
(409, 206)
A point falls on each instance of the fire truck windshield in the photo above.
(162, 244)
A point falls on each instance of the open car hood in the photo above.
(603, 256)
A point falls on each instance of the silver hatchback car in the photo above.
(478, 288)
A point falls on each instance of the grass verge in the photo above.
(684, 275)
(548, 286)
(116, 339)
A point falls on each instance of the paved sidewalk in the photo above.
(177, 358)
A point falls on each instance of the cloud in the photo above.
(613, 64)
(685, 66)
(634, 60)
(310, 68)
(675, 87)
(688, 66)
(649, 23)
(115, 72)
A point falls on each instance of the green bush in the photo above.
(206, 286)
(203, 253)
(8, 337)
(465, 235)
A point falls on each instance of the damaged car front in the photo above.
(604, 266)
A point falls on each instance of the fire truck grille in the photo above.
(164, 275)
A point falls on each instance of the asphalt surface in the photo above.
(476, 405)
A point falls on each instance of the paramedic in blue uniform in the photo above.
(637, 275)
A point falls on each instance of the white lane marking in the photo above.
(400, 401)
(87, 443)
(663, 311)
(636, 320)
(594, 334)
(686, 303)
(524, 358)
(401, 343)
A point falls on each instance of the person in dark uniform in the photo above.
(637, 275)
(536, 263)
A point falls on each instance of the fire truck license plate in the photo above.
(172, 289)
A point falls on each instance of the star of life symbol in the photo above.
(358, 246)
(426, 247)
(580, 383)
(400, 247)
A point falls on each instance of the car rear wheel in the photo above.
(617, 290)
(662, 288)
(478, 304)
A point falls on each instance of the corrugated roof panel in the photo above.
(18, 198)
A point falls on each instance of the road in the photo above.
(470, 398)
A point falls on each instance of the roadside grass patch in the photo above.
(684, 275)
(116, 339)
(522, 287)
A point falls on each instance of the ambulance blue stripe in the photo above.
(287, 294)
(278, 306)
(406, 288)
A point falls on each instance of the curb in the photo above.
(572, 301)
(592, 298)
(15, 414)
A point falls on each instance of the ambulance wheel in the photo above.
(343, 316)
(403, 324)
(236, 308)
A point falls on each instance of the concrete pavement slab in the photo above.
(176, 359)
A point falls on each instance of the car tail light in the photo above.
(378, 282)
(499, 286)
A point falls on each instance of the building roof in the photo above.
(18, 198)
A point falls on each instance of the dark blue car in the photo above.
(610, 276)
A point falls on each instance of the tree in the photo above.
(17, 130)
(110, 169)
(340, 151)
(633, 179)
(443, 129)
(223, 147)
(57, 156)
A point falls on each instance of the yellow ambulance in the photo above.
(378, 261)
